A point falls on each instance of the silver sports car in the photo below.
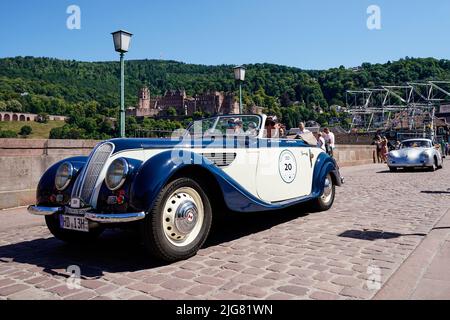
(415, 153)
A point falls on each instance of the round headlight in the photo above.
(63, 176)
(116, 174)
(425, 155)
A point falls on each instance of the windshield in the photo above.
(416, 144)
(226, 125)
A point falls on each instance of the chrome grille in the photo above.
(86, 181)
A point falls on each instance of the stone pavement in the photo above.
(425, 275)
(349, 252)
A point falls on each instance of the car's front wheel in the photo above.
(179, 222)
(325, 202)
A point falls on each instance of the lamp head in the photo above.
(239, 73)
(122, 40)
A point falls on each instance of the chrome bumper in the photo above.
(115, 217)
(410, 164)
(43, 211)
(95, 217)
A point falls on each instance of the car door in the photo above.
(284, 171)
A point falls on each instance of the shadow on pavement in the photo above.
(121, 251)
(441, 228)
(375, 235)
(400, 171)
(232, 225)
(436, 192)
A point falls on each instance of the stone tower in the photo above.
(144, 99)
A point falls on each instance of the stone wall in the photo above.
(22, 162)
(354, 155)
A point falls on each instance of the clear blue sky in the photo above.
(308, 34)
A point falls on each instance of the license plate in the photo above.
(74, 223)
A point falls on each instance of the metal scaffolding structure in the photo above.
(410, 107)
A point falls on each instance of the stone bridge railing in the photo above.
(22, 162)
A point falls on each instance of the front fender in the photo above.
(325, 165)
(154, 174)
(46, 187)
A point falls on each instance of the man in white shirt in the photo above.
(302, 132)
(330, 141)
(302, 129)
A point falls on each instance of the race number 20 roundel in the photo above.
(287, 166)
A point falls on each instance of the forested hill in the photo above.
(84, 81)
(60, 86)
(81, 81)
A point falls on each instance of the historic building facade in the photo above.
(146, 106)
(209, 103)
(217, 103)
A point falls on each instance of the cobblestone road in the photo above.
(379, 218)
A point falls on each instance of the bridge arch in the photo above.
(22, 117)
(7, 117)
(15, 117)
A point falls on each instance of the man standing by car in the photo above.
(302, 128)
(442, 145)
(302, 131)
(330, 141)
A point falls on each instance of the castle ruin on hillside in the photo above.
(211, 103)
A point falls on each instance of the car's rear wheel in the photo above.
(69, 236)
(179, 222)
(392, 169)
(326, 200)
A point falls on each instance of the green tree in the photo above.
(43, 118)
(197, 115)
(13, 105)
(25, 131)
(7, 134)
(171, 111)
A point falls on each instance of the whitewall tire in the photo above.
(179, 222)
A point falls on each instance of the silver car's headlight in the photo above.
(63, 176)
(425, 156)
(393, 154)
(116, 174)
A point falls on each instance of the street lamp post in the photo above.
(239, 75)
(122, 41)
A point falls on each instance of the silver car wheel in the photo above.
(327, 195)
(183, 216)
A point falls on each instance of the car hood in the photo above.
(147, 143)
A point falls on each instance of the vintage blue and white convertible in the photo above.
(171, 188)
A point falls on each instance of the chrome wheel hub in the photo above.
(186, 217)
(183, 216)
(328, 190)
